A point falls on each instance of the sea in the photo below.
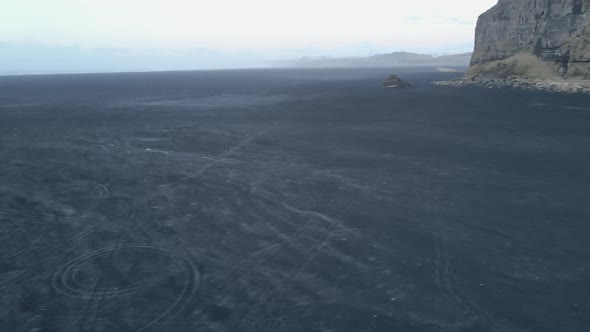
(291, 200)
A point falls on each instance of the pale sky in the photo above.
(243, 24)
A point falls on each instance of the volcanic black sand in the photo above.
(284, 200)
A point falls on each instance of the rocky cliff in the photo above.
(533, 38)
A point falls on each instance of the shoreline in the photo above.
(531, 84)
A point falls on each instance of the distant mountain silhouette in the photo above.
(37, 58)
(396, 59)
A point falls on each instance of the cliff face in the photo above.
(535, 38)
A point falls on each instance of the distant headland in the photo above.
(395, 59)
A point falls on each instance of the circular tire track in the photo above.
(65, 279)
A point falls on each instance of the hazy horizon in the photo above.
(87, 36)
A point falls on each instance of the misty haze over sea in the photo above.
(19, 58)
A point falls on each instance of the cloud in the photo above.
(261, 24)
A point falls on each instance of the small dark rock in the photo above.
(395, 82)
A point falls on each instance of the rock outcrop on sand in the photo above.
(531, 44)
(395, 82)
(537, 84)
